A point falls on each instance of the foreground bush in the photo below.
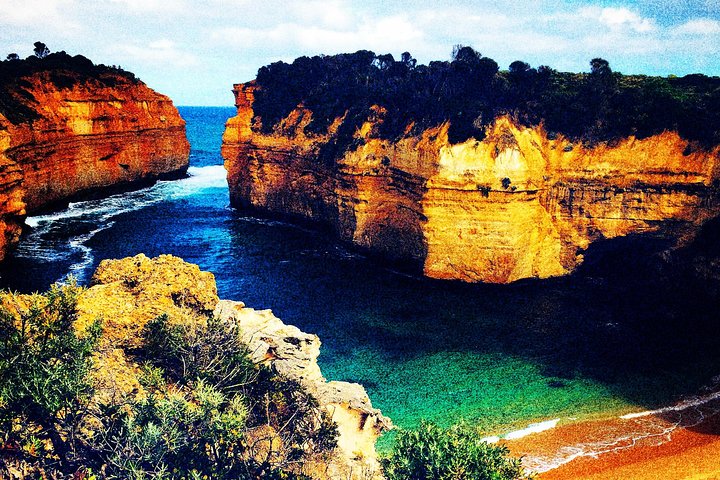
(44, 368)
(205, 409)
(457, 453)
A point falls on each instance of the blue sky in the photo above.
(194, 50)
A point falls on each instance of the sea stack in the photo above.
(69, 128)
(517, 202)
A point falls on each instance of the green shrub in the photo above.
(208, 412)
(212, 357)
(176, 435)
(44, 367)
(457, 453)
(212, 352)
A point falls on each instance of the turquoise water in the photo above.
(612, 338)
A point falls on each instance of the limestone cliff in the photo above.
(73, 134)
(518, 204)
(128, 293)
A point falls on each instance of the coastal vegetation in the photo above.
(434, 453)
(60, 69)
(206, 410)
(470, 91)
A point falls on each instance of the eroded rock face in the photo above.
(516, 205)
(294, 353)
(80, 139)
(128, 293)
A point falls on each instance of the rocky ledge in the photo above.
(128, 293)
(76, 128)
(518, 204)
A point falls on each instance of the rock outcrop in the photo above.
(128, 293)
(517, 204)
(80, 135)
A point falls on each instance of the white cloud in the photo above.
(41, 14)
(27, 12)
(330, 14)
(151, 6)
(394, 33)
(159, 52)
(700, 26)
(622, 18)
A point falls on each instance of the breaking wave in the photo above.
(64, 235)
(650, 428)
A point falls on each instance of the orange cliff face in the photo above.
(515, 205)
(84, 138)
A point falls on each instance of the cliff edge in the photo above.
(68, 127)
(517, 203)
(127, 294)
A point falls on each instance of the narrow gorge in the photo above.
(519, 203)
(70, 128)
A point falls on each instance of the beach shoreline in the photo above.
(677, 442)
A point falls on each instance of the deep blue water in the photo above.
(500, 356)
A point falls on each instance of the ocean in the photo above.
(498, 356)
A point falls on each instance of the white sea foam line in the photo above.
(594, 449)
(78, 269)
(651, 430)
(102, 211)
(532, 428)
(684, 405)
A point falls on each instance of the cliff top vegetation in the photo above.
(470, 91)
(60, 69)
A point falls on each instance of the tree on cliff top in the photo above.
(469, 92)
(41, 50)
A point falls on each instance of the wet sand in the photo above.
(672, 444)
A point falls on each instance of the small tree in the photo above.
(600, 66)
(433, 453)
(408, 60)
(13, 56)
(41, 50)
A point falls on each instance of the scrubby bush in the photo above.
(212, 352)
(283, 423)
(177, 434)
(456, 453)
(206, 410)
(44, 366)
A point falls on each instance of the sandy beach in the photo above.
(681, 442)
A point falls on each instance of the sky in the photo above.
(194, 50)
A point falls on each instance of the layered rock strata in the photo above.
(83, 138)
(128, 293)
(518, 204)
